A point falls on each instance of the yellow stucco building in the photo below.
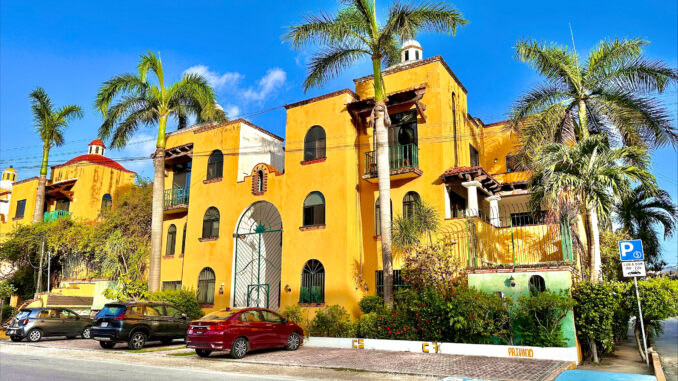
(252, 218)
(80, 187)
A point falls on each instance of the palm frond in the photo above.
(126, 106)
(150, 61)
(119, 84)
(554, 62)
(126, 129)
(611, 54)
(406, 20)
(390, 52)
(325, 29)
(328, 63)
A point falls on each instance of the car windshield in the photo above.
(220, 315)
(111, 310)
(23, 314)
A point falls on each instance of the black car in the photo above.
(36, 323)
(138, 322)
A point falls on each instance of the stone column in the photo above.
(446, 194)
(472, 209)
(494, 210)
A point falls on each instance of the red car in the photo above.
(241, 330)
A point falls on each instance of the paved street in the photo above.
(667, 347)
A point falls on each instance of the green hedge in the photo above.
(184, 299)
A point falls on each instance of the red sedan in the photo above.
(241, 330)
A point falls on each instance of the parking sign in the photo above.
(631, 250)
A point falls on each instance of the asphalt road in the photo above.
(667, 347)
(32, 367)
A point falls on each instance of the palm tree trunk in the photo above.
(594, 246)
(381, 124)
(157, 212)
(42, 182)
(583, 120)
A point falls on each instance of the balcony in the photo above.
(403, 163)
(54, 215)
(176, 199)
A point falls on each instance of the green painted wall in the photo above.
(554, 281)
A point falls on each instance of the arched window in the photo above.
(314, 144)
(537, 284)
(206, 281)
(377, 217)
(106, 202)
(210, 223)
(409, 203)
(312, 283)
(183, 241)
(314, 209)
(171, 240)
(260, 174)
(215, 165)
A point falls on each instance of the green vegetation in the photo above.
(184, 299)
(331, 321)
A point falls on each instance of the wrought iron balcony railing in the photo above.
(55, 214)
(399, 156)
(176, 196)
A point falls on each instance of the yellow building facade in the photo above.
(254, 219)
(80, 187)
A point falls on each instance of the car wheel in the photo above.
(137, 340)
(203, 352)
(87, 333)
(239, 348)
(167, 341)
(293, 342)
(107, 344)
(34, 335)
(16, 338)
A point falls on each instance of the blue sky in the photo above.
(70, 48)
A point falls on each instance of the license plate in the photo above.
(102, 338)
(104, 324)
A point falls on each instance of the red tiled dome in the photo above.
(95, 159)
(96, 142)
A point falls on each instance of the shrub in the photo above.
(7, 312)
(433, 267)
(368, 326)
(598, 314)
(371, 303)
(332, 321)
(538, 319)
(184, 299)
(297, 315)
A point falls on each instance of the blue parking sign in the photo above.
(631, 250)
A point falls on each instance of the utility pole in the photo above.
(39, 283)
(49, 267)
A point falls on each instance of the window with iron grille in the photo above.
(312, 283)
(206, 281)
(537, 284)
(314, 209)
(171, 240)
(63, 204)
(398, 283)
(171, 285)
(457, 204)
(20, 208)
(215, 165)
(511, 163)
(409, 203)
(528, 218)
(210, 223)
(314, 143)
(475, 161)
(183, 241)
(106, 202)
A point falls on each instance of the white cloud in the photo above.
(269, 83)
(232, 111)
(216, 80)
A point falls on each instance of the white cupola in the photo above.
(96, 147)
(411, 51)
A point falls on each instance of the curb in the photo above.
(656, 365)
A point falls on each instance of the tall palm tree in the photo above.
(641, 212)
(607, 93)
(49, 123)
(590, 175)
(128, 101)
(354, 33)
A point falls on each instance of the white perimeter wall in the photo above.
(257, 147)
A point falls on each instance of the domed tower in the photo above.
(8, 175)
(6, 181)
(411, 51)
(96, 147)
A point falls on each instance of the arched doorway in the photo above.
(258, 256)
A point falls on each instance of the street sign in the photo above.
(633, 268)
(631, 250)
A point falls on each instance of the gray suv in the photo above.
(35, 323)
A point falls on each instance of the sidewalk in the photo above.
(667, 347)
(316, 363)
(625, 359)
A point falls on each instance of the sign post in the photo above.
(633, 265)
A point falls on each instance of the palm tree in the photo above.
(128, 101)
(590, 175)
(353, 33)
(605, 94)
(49, 123)
(641, 212)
